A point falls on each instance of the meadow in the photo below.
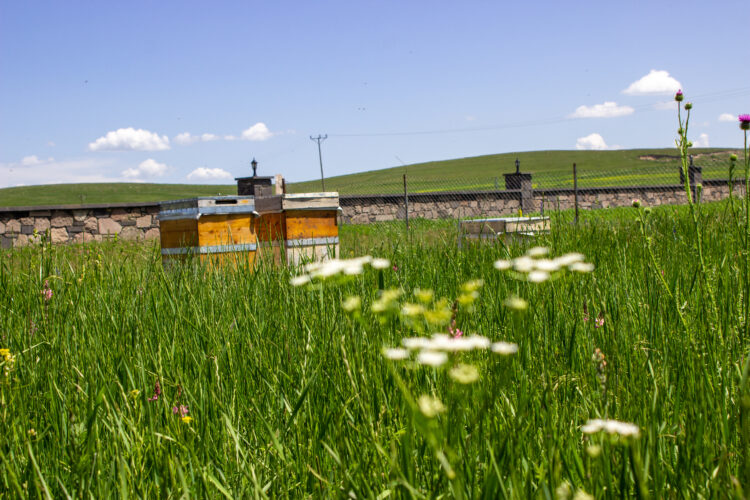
(125, 378)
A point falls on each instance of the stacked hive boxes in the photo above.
(292, 228)
(219, 228)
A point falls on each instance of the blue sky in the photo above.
(189, 92)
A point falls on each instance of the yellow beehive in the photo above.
(311, 227)
(219, 228)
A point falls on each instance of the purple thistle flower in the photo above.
(744, 122)
(678, 96)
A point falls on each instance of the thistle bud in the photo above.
(690, 144)
(733, 157)
(636, 203)
(688, 106)
(678, 96)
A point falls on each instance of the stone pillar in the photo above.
(521, 181)
(695, 175)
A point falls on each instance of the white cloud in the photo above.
(656, 82)
(594, 141)
(32, 171)
(130, 139)
(230, 138)
(29, 161)
(258, 132)
(188, 138)
(147, 168)
(609, 109)
(727, 117)
(208, 174)
(701, 141)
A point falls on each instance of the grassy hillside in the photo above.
(550, 169)
(58, 194)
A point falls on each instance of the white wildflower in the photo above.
(581, 267)
(569, 258)
(429, 406)
(431, 358)
(503, 265)
(478, 341)
(380, 263)
(504, 348)
(396, 353)
(547, 265)
(537, 252)
(353, 269)
(624, 429)
(414, 343)
(538, 276)
(300, 280)
(523, 264)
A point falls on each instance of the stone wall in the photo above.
(365, 209)
(594, 198)
(20, 226)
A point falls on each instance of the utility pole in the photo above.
(320, 139)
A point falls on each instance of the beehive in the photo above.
(220, 228)
(311, 229)
(270, 230)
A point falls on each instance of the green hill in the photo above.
(114, 192)
(549, 168)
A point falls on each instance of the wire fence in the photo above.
(449, 193)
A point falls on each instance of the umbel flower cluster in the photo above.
(320, 271)
(535, 267)
(434, 351)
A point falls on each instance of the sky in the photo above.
(190, 92)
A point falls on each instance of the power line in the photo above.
(710, 97)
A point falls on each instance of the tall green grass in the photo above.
(291, 397)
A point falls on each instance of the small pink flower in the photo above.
(157, 392)
(585, 317)
(395, 268)
(46, 291)
(599, 322)
(182, 410)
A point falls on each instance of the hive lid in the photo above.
(209, 205)
(311, 201)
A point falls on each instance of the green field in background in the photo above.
(550, 169)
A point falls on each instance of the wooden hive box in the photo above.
(508, 228)
(311, 227)
(270, 229)
(220, 229)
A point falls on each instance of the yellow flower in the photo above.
(134, 393)
(187, 419)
